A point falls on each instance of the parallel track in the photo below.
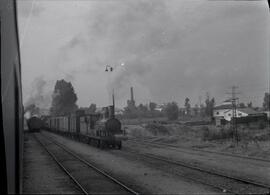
(89, 165)
(264, 187)
(61, 166)
(193, 150)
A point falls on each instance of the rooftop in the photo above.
(248, 110)
(223, 106)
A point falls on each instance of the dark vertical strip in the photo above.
(3, 167)
(68, 123)
(18, 107)
(17, 33)
(78, 123)
(17, 134)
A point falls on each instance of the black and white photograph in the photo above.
(135, 97)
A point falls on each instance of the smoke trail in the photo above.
(40, 95)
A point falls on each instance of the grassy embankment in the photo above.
(254, 139)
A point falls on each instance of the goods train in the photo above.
(11, 131)
(102, 129)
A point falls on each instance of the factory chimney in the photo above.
(131, 94)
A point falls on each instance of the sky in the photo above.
(171, 49)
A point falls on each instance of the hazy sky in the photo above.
(171, 49)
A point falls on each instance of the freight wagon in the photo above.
(99, 129)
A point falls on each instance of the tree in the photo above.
(202, 110)
(242, 105)
(130, 111)
(142, 108)
(196, 109)
(63, 98)
(266, 101)
(93, 108)
(187, 106)
(209, 106)
(172, 111)
(152, 106)
(249, 105)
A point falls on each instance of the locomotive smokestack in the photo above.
(111, 112)
(131, 94)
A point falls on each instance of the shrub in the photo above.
(157, 129)
(216, 134)
(262, 125)
(172, 111)
(205, 134)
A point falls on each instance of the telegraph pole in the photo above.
(234, 99)
(113, 99)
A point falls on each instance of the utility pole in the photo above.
(113, 99)
(200, 108)
(234, 99)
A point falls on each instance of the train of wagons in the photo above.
(99, 129)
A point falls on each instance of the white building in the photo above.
(160, 107)
(220, 110)
(240, 112)
(118, 111)
(268, 114)
(225, 112)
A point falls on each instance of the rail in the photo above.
(100, 171)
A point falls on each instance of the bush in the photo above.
(157, 129)
(216, 134)
(262, 125)
(172, 111)
(205, 133)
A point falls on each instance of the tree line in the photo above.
(64, 101)
(170, 110)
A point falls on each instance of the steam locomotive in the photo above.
(35, 124)
(100, 129)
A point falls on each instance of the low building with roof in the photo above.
(224, 113)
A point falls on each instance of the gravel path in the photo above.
(41, 174)
(136, 174)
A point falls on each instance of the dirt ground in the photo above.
(135, 173)
(244, 168)
(253, 142)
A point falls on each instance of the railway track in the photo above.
(89, 178)
(193, 150)
(213, 178)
